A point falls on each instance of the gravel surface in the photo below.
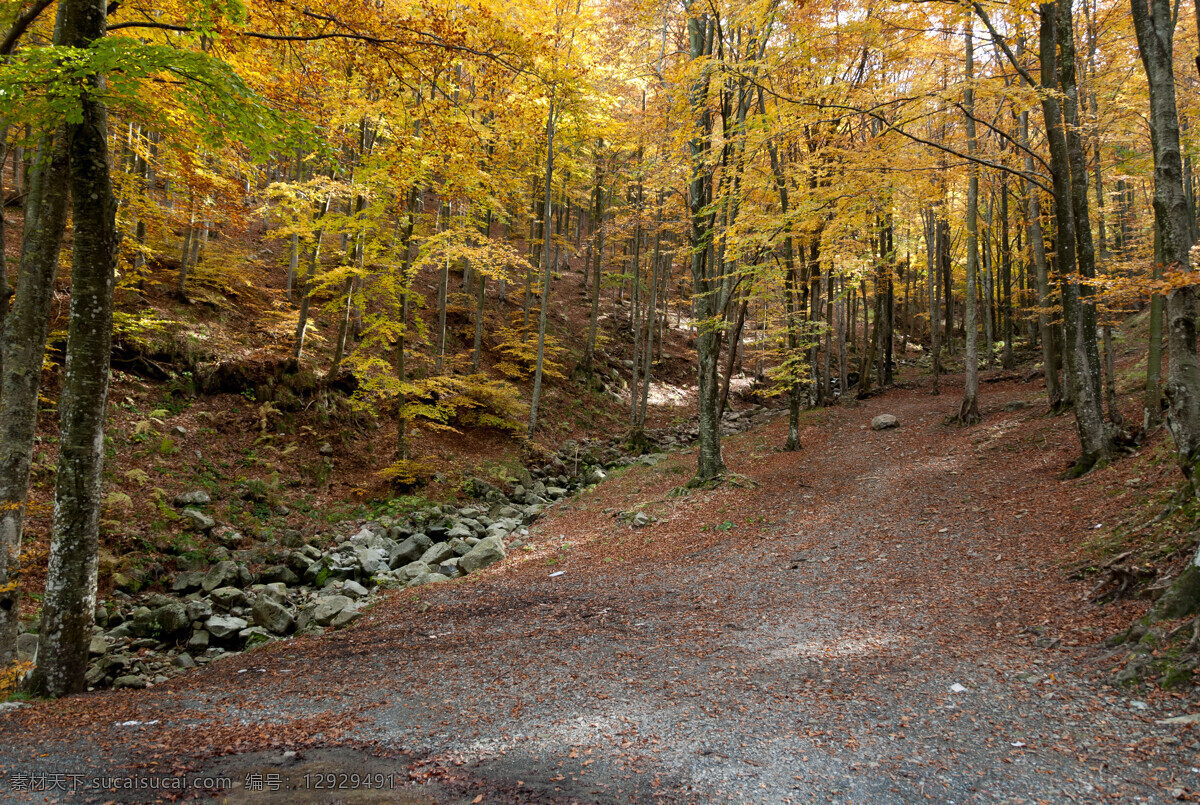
(880, 617)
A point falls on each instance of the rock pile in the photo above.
(232, 605)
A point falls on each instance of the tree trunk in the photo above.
(70, 600)
(24, 351)
(968, 411)
(546, 267)
(1155, 27)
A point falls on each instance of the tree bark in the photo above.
(24, 349)
(968, 410)
(70, 599)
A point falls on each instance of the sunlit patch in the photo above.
(839, 647)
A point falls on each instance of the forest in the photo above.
(447, 275)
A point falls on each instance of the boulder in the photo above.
(884, 421)
(460, 546)
(411, 571)
(299, 562)
(410, 550)
(199, 610)
(98, 646)
(224, 628)
(437, 554)
(187, 582)
(487, 552)
(354, 589)
(198, 520)
(279, 574)
(163, 622)
(459, 531)
(132, 681)
(222, 574)
(555, 492)
(253, 636)
(370, 560)
(346, 617)
(227, 598)
(450, 568)
(197, 497)
(198, 642)
(328, 607)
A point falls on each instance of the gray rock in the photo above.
(275, 591)
(428, 578)
(437, 554)
(411, 571)
(253, 636)
(884, 421)
(27, 646)
(595, 475)
(198, 520)
(198, 642)
(272, 616)
(279, 574)
(370, 560)
(222, 574)
(187, 582)
(224, 627)
(120, 631)
(459, 531)
(198, 610)
(132, 681)
(327, 608)
(184, 661)
(531, 513)
(487, 552)
(299, 562)
(325, 449)
(98, 646)
(410, 550)
(345, 618)
(354, 589)
(555, 492)
(227, 598)
(460, 546)
(197, 497)
(640, 520)
(450, 568)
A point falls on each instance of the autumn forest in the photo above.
(432, 272)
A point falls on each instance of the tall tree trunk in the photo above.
(1155, 27)
(24, 351)
(589, 354)
(541, 345)
(1094, 439)
(70, 600)
(968, 411)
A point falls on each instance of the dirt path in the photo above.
(882, 619)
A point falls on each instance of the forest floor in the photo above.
(879, 617)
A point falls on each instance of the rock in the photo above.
(437, 554)
(227, 536)
(326, 449)
(411, 571)
(199, 610)
(171, 619)
(428, 578)
(410, 550)
(595, 475)
(299, 562)
(198, 642)
(222, 574)
(555, 492)
(98, 646)
(187, 582)
(197, 497)
(328, 607)
(1015, 405)
(272, 616)
(487, 552)
(354, 589)
(198, 520)
(224, 628)
(460, 546)
(254, 636)
(450, 568)
(884, 421)
(370, 560)
(27, 646)
(184, 661)
(531, 513)
(227, 598)
(640, 520)
(132, 681)
(344, 618)
(279, 574)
